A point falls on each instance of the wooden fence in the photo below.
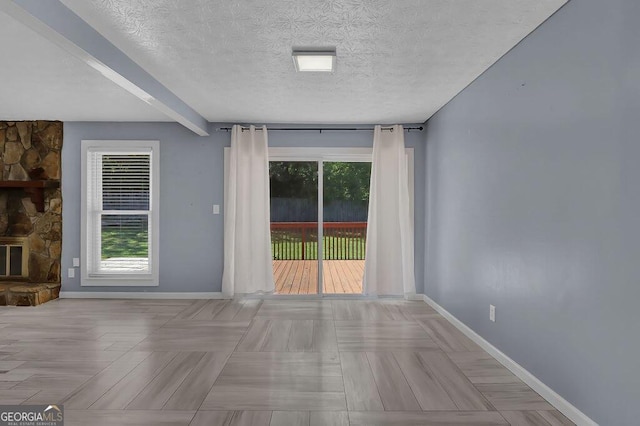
(299, 240)
(306, 210)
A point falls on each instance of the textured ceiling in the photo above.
(38, 80)
(398, 61)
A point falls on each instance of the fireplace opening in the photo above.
(14, 258)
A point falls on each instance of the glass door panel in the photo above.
(345, 208)
(294, 226)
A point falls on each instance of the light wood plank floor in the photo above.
(254, 362)
(301, 276)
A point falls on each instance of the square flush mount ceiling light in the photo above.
(314, 60)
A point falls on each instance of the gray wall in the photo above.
(191, 181)
(534, 206)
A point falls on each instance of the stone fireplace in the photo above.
(30, 211)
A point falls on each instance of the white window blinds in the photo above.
(126, 181)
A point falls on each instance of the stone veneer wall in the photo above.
(30, 150)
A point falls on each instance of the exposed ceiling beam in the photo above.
(57, 23)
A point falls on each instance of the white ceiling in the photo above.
(40, 81)
(398, 61)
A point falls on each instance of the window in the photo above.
(120, 213)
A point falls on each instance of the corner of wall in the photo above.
(425, 162)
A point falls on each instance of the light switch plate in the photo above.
(76, 262)
(71, 273)
(216, 209)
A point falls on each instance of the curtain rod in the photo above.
(321, 129)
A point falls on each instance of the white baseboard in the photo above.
(414, 297)
(219, 295)
(138, 295)
(564, 406)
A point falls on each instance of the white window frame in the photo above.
(115, 147)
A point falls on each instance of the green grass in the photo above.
(124, 243)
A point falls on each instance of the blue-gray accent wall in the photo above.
(191, 181)
(534, 206)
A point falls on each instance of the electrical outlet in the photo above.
(76, 262)
(216, 209)
(492, 313)
(71, 273)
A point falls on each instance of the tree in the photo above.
(342, 181)
(293, 179)
(346, 182)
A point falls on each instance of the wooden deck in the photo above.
(301, 276)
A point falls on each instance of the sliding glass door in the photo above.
(319, 225)
(294, 226)
(345, 195)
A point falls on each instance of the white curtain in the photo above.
(247, 237)
(389, 256)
